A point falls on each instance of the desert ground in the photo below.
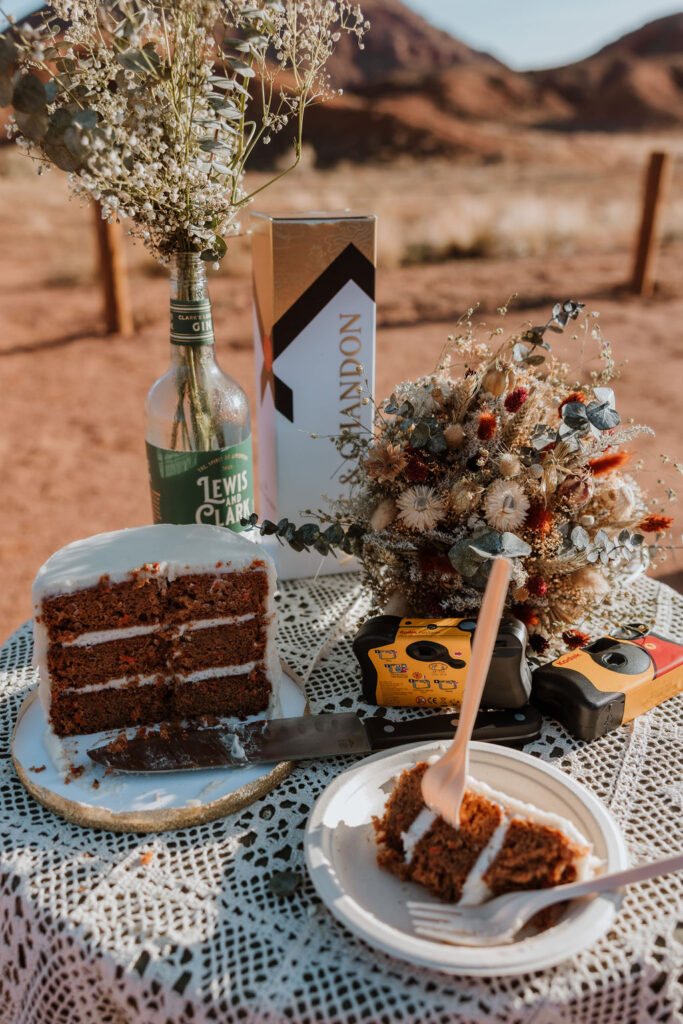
(450, 236)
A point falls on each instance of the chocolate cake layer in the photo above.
(231, 644)
(500, 845)
(444, 857)
(234, 695)
(208, 597)
(78, 666)
(73, 713)
(532, 857)
(107, 605)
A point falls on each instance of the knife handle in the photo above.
(513, 728)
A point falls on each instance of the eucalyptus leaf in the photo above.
(605, 395)
(217, 250)
(51, 91)
(463, 559)
(580, 538)
(602, 538)
(534, 360)
(210, 145)
(86, 118)
(437, 444)
(514, 546)
(33, 126)
(309, 533)
(56, 151)
(29, 95)
(637, 539)
(60, 119)
(520, 351)
(574, 415)
(487, 544)
(602, 416)
(141, 61)
(543, 438)
(240, 68)
(623, 536)
(8, 54)
(73, 140)
(6, 89)
(420, 435)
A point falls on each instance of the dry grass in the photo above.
(430, 212)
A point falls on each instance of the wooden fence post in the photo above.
(656, 184)
(118, 311)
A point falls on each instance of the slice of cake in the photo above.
(501, 844)
(155, 624)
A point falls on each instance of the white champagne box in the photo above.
(314, 343)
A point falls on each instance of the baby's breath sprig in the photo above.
(155, 109)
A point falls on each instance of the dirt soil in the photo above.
(71, 415)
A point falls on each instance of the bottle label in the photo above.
(191, 322)
(214, 487)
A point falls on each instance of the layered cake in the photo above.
(155, 624)
(501, 845)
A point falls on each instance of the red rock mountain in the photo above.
(635, 82)
(416, 89)
(400, 40)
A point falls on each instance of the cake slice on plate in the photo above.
(155, 624)
(501, 845)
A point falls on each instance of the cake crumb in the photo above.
(147, 858)
(40, 768)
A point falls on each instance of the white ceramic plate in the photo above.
(341, 858)
(135, 802)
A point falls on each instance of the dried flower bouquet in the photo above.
(155, 108)
(495, 452)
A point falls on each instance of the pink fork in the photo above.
(443, 784)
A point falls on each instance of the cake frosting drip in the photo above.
(163, 550)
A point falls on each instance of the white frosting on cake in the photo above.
(414, 833)
(475, 889)
(177, 550)
(216, 673)
(117, 684)
(168, 551)
(228, 620)
(105, 636)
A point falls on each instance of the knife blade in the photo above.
(299, 739)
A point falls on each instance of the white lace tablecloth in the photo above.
(89, 934)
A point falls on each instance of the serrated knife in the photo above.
(299, 739)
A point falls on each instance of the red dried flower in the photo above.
(574, 638)
(431, 560)
(526, 614)
(416, 469)
(487, 426)
(607, 463)
(539, 519)
(655, 524)
(537, 585)
(538, 643)
(576, 396)
(516, 399)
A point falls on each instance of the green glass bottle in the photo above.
(198, 427)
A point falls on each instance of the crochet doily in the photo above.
(92, 931)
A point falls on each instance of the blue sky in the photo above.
(541, 33)
(522, 33)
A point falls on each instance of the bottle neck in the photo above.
(191, 319)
